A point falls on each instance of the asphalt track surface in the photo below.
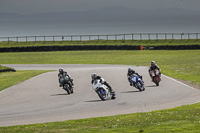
(40, 99)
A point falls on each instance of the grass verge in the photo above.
(184, 119)
(103, 42)
(8, 79)
(4, 67)
(178, 64)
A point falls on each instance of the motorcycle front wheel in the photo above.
(101, 94)
(156, 80)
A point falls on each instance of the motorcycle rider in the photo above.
(94, 77)
(154, 66)
(130, 73)
(64, 73)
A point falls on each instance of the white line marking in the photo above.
(180, 82)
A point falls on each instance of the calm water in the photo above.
(20, 29)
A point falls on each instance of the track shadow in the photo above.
(94, 101)
(60, 94)
(151, 86)
(130, 91)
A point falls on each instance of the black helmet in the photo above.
(94, 76)
(130, 71)
(153, 63)
(61, 71)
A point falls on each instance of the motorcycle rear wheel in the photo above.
(66, 87)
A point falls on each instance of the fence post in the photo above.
(35, 38)
(26, 39)
(181, 36)
(17, 39)
(149, 36)
(124, 37)
(156, 36)
(115, 37)
(44, 39)
(62, 38)
(98, 37)
(8, 39)
(71, 38)
(53, 39)
(132, 36)
(172, 36)
(80, 38)
(165, 36)
(188, 36)
(140, 36)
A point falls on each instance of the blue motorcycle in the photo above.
(137, 82)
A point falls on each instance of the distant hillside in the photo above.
(109, 14)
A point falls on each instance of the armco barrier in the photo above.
(97, 47)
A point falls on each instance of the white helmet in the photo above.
(94, 76)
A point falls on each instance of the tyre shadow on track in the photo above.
(94, 101)
(130, 91)
(151, 86)
(60, 94)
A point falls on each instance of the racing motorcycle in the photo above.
(155, 76)
(102, 90)
(66, 84)
(137, 82)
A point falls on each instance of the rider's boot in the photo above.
(60, 85)
(131, 84)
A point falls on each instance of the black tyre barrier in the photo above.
(97, 47)
(7, 70)
(69, 48)
(174, 47)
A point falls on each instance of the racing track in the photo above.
(40, 99)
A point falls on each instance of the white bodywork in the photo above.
(97, 84)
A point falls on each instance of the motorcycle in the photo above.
(66, 84)
(137, 82)
(155, 76)
(102, 90)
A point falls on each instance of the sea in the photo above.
(62, 29)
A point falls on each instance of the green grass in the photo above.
(178, 64)
(184, 119)
(103, 42)
(3, 67)
(182, 64)
(8, 79)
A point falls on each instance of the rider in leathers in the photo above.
(130, 73)
(64, 73)
(95, 77)
(154, 66)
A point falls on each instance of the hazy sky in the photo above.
(41, 6)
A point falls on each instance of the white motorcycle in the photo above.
(102, 90)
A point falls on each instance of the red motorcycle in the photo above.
(155, 75)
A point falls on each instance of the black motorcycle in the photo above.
(66, 83)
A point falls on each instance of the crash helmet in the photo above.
(130, 71)
(61, 71)
(153, 63)
(94, 76)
